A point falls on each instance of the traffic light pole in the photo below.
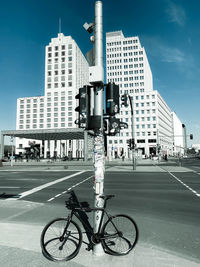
(133, 132)
(98, 138)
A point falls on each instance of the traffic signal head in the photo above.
(133, 143)
(114, 126)
(191, 136)
(111, 126)
(129, 143)
(112, 99)
(158, 148)
(84, 107)
(124, 100)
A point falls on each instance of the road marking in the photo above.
(38, 188)
(9, 187)
(64, 192)
(188, 187)
(196, 172)
(180, 181)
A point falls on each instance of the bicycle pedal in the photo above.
(89, 248)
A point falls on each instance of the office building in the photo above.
(127, 65)
(66, 70)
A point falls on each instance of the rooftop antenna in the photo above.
(59, 25)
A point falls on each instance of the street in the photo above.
(164, 202)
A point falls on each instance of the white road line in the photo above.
(180, 181)
(9, 187)
(64, 192)
(188, 187)
(36, 189)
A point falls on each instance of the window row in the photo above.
(120, 141)
(36, 100)
(56, 93)
(145, 104)
(57, 72)
(56, 48)
(141, 65)
(56, 85)
(55, 125)
(132, 41)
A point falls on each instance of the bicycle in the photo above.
(61, 238)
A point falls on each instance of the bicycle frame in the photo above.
(88, 229)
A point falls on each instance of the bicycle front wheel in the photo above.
(120, 234)
(61, 240)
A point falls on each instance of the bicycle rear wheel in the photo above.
(61, 243)
(120, 234)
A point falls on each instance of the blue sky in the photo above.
(168, 29)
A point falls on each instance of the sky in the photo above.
(169, 30)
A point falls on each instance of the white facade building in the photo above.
(127, 65)
(66, 70)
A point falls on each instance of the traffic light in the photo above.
(84, 106)
(114, 126)
(124, 100)
(191, 136)
(129, 143)
(158, 148)
(111, 126)
(133, 143)
(112, 99)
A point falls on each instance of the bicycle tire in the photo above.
(120, 235)
(58, 248)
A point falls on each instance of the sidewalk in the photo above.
(20, 241)
(20, 246)
(146, 165)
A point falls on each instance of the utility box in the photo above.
(96, 74)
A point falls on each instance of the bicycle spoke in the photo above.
(59, 243)
(119, 234)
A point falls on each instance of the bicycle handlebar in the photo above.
(106, 197)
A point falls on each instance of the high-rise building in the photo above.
(127, 65)
(66, 70)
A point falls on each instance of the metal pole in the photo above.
(98, 139)
(11, 140)
(133, 133)
(2, 147)
(158, 144)
(85, 145)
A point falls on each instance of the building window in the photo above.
(141, 141)
(151, 140)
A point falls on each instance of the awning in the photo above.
(47, 134)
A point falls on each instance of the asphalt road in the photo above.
(165, 205)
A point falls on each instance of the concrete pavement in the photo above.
(146, 165)
(20, 246)
(20, 241)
